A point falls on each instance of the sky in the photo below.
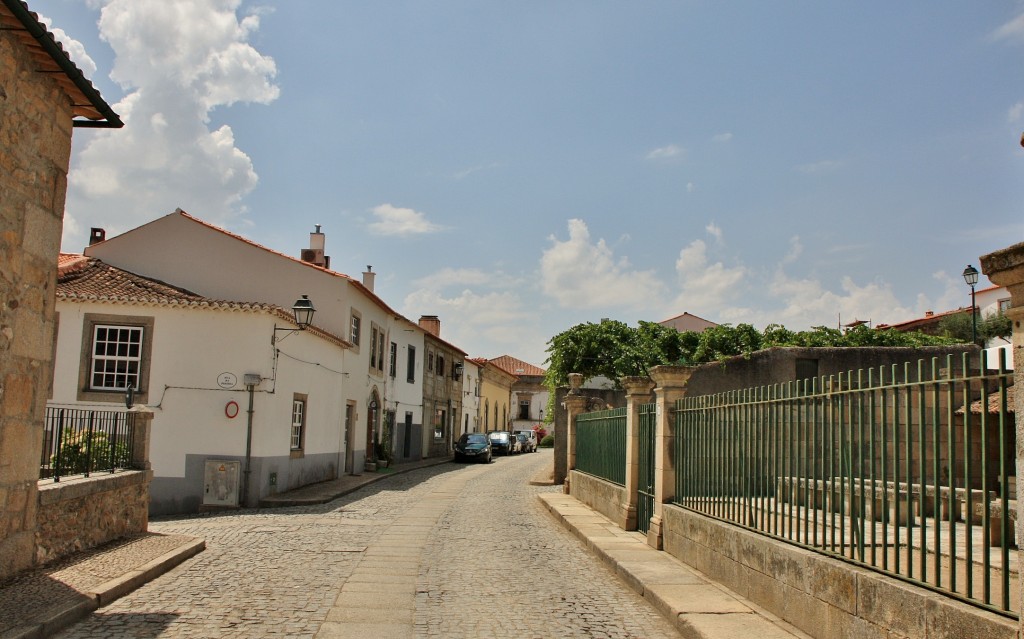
(519, 168)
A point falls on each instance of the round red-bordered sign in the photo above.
(231, 409)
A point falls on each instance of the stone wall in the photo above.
(601, 495)
(821, 596)
(84, 512)
(35, 149)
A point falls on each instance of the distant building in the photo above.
(688, 322)
(529, 394)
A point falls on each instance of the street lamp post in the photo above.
(971, 277)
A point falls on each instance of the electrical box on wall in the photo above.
(221, 483)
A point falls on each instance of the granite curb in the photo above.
(61, 614)
(699, 608)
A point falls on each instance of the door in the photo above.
(645, 487)
(350, 416)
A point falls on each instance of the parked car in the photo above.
(515, 445)
(502, 442)
(524, 443)
(473, 447)
(531, 436)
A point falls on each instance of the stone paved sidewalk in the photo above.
(38, 603)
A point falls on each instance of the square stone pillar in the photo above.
(575, 403)
(1006, 268)
(671, 385)
(141, 436)
(638, 391)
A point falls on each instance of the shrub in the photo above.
(548, 441)
(75, 452)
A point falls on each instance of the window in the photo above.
(430, 362)
(393, 360)
(440, 365)
(1004, 305)
(439, 420)
(116, 352)
(376, 348)
(353, 331)
(116, 357)
(298, 422)
(524, 409)
(410, 365)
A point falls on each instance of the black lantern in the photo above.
(971, 277)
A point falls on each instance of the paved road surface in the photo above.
(446, 551)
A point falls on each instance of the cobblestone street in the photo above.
(460, 550)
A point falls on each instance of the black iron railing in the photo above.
(80, 441)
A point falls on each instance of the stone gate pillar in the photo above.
(575, 403)
(638, 391)
(1006, 268)
(671, 385)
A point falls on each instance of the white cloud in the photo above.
(1015, 112)
(578, 273)
(665, 153)
(690, 187)
(459, 175)
(714, 231)
(73, 47)
(704, 287)
(796, 249)
(393, 220)
(177, 61)
(723, 137)
(447, 277)
(1012, 30)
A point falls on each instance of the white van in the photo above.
(531, 436)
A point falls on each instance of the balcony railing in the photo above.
(81, 441)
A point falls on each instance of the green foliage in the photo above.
(614, 350)
(995, 326)
(78, 447)
(547, 442)
(957, 326)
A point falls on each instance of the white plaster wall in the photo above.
(189, 254)
(470, 400)
(191, 348)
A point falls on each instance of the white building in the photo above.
(220, 377)
(471, 397)
(218, 264)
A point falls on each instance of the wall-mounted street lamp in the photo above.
(303, 310)
(971, 277)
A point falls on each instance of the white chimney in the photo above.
(315, 253)
(368, 277)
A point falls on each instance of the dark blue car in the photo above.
(501, 442)
(473, 447)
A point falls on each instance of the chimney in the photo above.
(431, 324)
(368, 277)
(96, 235)
(315, 253)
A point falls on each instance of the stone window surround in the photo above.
(355, 329)
(304, 399)
(89, 322)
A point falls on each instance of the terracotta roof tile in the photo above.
(89, 279)
(516, 366)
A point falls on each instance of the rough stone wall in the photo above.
(35, 149)
(105, 507)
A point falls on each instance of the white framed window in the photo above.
(410, 365)
(298, 431)
(393, 360)
(116, 357)
(116, 353)
(354, 328)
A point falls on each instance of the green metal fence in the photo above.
(647, 426)
(905, 470)
(601, 444)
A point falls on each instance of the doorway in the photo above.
(350, 416)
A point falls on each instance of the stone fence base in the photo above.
(821, 596)
(78, 513)
(601, 495)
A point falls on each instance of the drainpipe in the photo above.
(248, 444)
